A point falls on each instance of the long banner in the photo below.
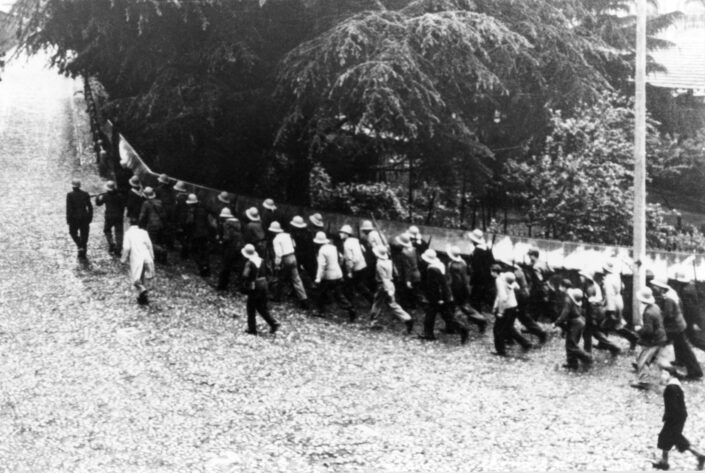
(559, 254)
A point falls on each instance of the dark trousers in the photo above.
(504, 329)
(358, 283)
(593, 331)
(414, 296)
(453, 325)
(611, 324)
(184, 240)
(334, 287)
(199, 251)
(482, 296)
(539, 307)
(528, 321)
(230, 260)
(79, 234)
(169, 236)
(257, 303)
(113, 224)
(156, 235)
(470, 313)
(574, 332)
(684, 354)
(696, 338)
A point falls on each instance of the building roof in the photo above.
(685, 62)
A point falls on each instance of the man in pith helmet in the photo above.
(329, 276)
(114, 203)
(152, 218)
(166, 194)
(304, 249)
(135, 198)
(354, 265)
(286, 265)
(439, 299)
(232, 243)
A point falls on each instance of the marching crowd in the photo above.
(272, 256)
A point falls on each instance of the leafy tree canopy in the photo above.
(251, 94)
(581, 186)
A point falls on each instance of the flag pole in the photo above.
(639, 160)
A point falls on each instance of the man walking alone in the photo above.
(79, 215)
(138, 248)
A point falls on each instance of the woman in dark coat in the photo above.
(674, 417)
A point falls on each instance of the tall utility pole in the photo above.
(639, 159)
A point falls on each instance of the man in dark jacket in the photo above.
(166, 194)
(409, 273)
(594, 309)
(572, 316)
(674, 325)
(537, 276)
(254, 233)
(304, 249)
(135, 198)
(269, 213)
(482, 282)
(180, 207)
(652, 338)
(439, 300)
(214, 206)
(523, 295)
(420, 245)
(674, 417)
(196, 232)
(114, 209)
(79, 215)
(460, 287)
(232, 243)
(152, 219)
(694, 319)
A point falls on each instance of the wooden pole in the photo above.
(411, 190)
(639, 160)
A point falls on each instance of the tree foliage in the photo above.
(7, 32)
(230, 89)
(581, 186)
(257, 96)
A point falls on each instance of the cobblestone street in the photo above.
(92, 382)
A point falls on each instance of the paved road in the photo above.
(91, 382)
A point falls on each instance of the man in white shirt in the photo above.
(505, 311)
(614, 305)
(137, 246)
(329, 276)
(285, 264)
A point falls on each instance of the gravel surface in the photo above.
(92, 382)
